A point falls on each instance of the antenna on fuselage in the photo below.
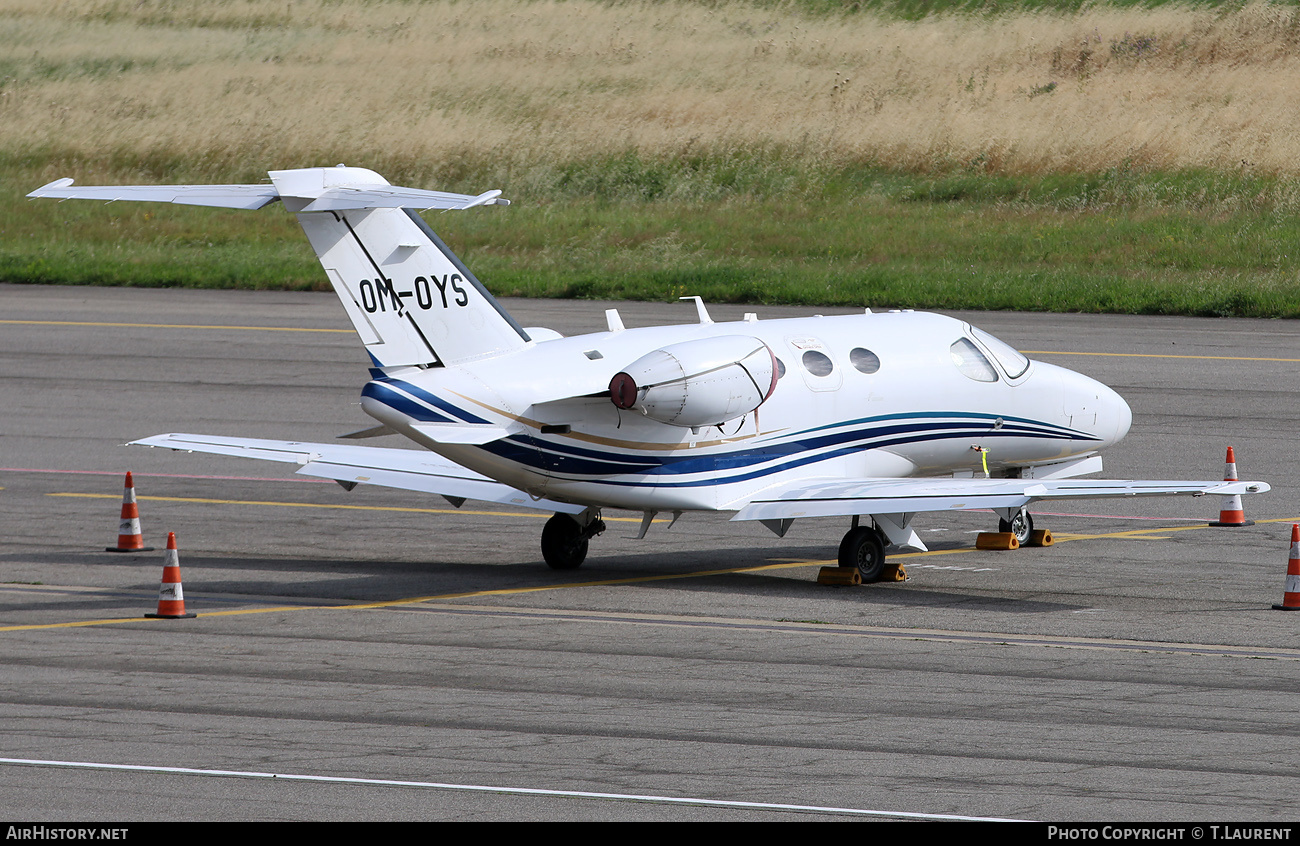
(700, 309)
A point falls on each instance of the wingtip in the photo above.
(58, 183)
(487, 198)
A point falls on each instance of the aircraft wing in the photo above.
(849, 497)
(407, 469)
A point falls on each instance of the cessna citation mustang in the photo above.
(873, 417)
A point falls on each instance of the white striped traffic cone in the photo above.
(1291, 597)
(1230, 512)
(171, 599)
(129, 538)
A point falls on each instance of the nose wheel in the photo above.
(1021, 525)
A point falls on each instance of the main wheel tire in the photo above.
(863, 548)
(1022, 526)
(564, 546)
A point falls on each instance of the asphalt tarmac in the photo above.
(386, 656)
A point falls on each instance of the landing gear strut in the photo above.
(564, 538)
(1021, 525)
(864, 548)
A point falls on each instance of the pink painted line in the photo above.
(169, 475)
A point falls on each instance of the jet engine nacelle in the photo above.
(698, 383)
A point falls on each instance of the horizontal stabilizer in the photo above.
(221, 196)
(307, 189)
(377, 197)
(406, 469)
(410, 299)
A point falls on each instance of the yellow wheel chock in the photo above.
(839, 576)
(996, 540)
(1041, 537)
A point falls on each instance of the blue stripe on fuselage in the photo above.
(381, 392)
(432, 399)
(390, 392)
(554, 458)
(781, 451)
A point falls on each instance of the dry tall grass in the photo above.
(249, 84)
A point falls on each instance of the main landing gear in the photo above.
(565, 536)
(862, 551)
(863, 548)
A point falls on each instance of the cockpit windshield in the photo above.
(971, 362)
(1012, 361)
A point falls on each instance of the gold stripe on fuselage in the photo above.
(614, 442)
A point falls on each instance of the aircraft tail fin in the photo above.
(412, 301)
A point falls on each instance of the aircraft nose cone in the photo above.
(1117, 412)
(1100, 406)
(1089, 405)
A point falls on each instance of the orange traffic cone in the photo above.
(171, 599)
(1291, 597)
(1231, 512)
(129, 538)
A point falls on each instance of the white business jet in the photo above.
(873, 417)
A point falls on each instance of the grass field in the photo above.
(1101, 158)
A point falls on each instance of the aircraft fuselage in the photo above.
(858, 396)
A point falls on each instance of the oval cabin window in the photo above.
(818, 364)
(865, 361)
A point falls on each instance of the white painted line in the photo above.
(519, 791)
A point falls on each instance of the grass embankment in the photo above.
(1107, 159)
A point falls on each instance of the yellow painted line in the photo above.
(400, 509)
(78, 624)
(630, 580)
(169, 326)
(392, 603)
(349, 331)
(1160, 355)
(203, 501)
(1153, 532)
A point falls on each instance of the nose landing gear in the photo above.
(1021, 525)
